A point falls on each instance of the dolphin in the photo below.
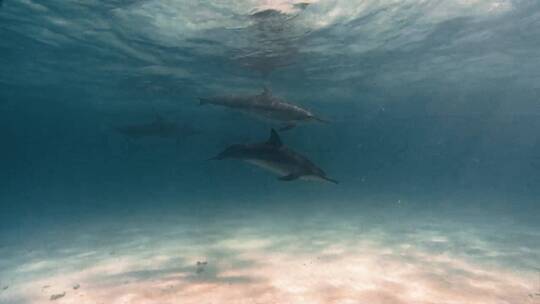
(273, 156)
(158, 128)
(265, 105)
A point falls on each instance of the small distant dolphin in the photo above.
(274, 156)
(158, 128)
(265, 105)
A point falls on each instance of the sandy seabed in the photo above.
(274, 258)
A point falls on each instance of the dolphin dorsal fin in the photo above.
(274, 139)
(266, 91)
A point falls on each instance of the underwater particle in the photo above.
(57, 296)
(201, 266)
(76, 286)
(5, 287)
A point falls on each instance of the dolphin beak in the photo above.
(318, 119)
(333, 181)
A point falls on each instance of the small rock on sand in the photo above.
(76, 286)
(5, 287)
(58, 296)
(200, 266)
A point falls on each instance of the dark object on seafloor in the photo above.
(200, 266)
(55, 297)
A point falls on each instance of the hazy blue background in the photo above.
(434, 106)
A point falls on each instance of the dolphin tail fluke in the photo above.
(217, 157)
(203, 101)
(158, 118)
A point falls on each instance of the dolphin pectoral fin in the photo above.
(287, 127)
(290, 177)
(266, 91)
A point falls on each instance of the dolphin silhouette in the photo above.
(265, 105)
(158, 128)
(272, 155)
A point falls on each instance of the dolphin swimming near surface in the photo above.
(265, 105)
(158, 128)
(274, 156)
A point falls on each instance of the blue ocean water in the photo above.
(433, 110)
